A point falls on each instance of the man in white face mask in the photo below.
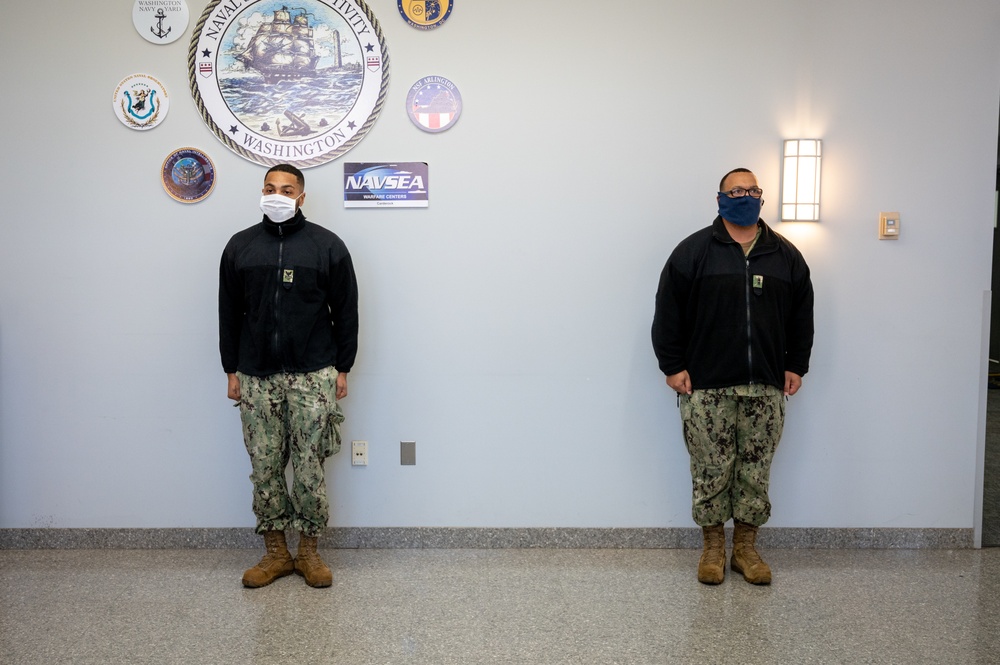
(281, 196)
(288, 335)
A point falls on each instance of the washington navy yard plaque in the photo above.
(160, 21)
(300, 83)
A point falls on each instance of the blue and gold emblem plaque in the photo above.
(425, 14)
(299, 83)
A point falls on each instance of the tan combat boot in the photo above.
(712, 565)
(745, 558)
(309, 565)
(277, 562)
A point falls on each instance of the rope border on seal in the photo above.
(267, 161)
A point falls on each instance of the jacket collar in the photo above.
(285, 229)
(766, 240)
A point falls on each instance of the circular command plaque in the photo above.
(434, 104)
(140, 102)
(188, 175)
(425, 14)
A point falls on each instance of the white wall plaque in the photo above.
(160, 21)
(140, 102)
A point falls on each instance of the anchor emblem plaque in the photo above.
(160, 21)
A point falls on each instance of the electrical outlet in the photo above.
(407, 453)
(359, 453)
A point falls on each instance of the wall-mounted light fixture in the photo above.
(800, 180)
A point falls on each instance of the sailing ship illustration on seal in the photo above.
(284, 48)
(288, 81)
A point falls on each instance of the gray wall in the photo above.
(505, 328)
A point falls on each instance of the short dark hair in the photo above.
(722, 182)
(288, 168)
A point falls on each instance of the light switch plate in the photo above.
(888, 225)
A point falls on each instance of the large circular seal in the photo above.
(298, 84)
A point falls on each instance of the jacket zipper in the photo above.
(277, 294)
(749, 328)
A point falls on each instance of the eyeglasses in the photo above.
(739, 192)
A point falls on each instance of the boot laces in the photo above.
(275, 555)
(714, 550)
(310, 557)
(715, 557)
(749, 554)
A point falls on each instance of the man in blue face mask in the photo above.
(733, 332)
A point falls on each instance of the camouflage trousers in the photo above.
(292, 417)
(731, 435)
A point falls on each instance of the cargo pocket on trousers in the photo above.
(331, 438)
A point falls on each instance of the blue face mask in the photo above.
(744, 211)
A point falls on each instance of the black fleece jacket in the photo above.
(730, 319)
(288, 300)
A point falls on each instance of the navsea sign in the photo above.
(385, 185)
(299, 83)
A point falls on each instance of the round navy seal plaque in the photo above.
(300, 83)
(188, 175)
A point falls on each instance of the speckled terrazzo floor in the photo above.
(500, 606)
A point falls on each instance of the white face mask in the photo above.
(278, 208)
